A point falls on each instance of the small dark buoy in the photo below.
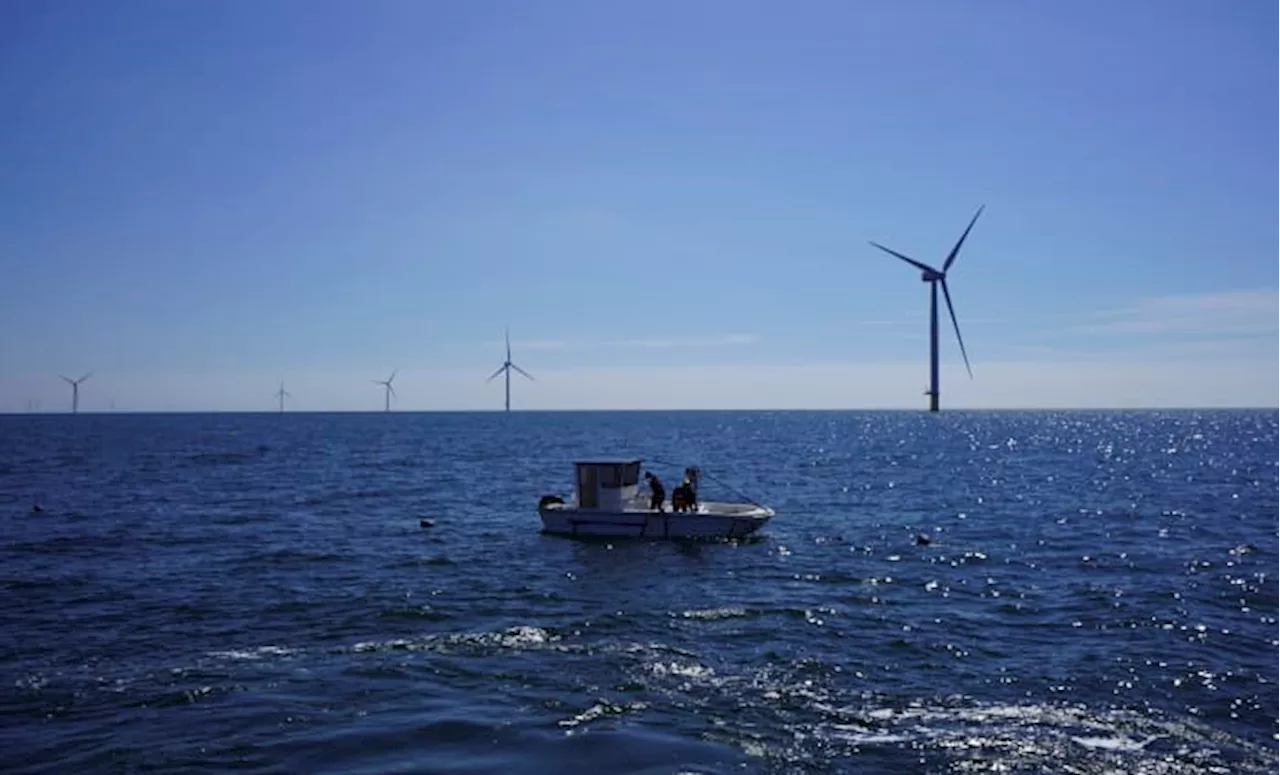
(36, 508)
(922, 539)
(427, 523)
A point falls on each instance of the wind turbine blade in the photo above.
(68, 380)
(390, 389)
(393, 376)
(501, 369)
(507, 337)
(87, 375)
(912, 261)
(956, 323)
(522, 371)
(956, 250)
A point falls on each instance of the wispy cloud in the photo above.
(1205, 351)
(580, 218)
(540, 344)
(730, 340)
(527, 344)
(1227, 313)
(917, 321)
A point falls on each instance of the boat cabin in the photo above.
(608, 485)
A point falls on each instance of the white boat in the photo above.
(609, 502)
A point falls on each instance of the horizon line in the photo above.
(828, 410)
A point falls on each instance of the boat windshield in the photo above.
(619, 475)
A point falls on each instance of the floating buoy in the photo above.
(922, 539)
(426, 523)
(36, 508)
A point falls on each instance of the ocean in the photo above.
(257, 592)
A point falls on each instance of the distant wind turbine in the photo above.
(935, 278)
(390, 391)
(75, 390)
(282, 394)
(506, 368)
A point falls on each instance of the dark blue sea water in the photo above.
(255, 592)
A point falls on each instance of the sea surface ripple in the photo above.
(200, 593)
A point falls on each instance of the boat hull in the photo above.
(711, 520)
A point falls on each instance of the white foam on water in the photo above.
(259, 652)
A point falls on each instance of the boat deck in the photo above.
(705, 508)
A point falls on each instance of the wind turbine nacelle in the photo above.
(929, 277)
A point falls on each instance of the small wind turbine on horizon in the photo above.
(390, 391)
(507, 366)
(282, 394)
(936, 277)
(75, 390)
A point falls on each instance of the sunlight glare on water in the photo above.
(1096, 594)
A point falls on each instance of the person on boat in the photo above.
(691, 479)
(659, 492)
(679, 497)
(683, 498)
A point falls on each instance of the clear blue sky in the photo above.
(669, 202)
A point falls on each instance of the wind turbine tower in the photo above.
(935, 278)
(75, 391)
(390, 391)
(506, 368)
(282, 394)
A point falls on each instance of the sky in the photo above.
(669, 203)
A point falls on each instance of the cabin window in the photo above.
(611, 477)
(587, 496)
(630, 474)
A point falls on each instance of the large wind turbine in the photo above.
(506, 368)
(935, 278)
(75, 390)
(390, 391)
(282, 394)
